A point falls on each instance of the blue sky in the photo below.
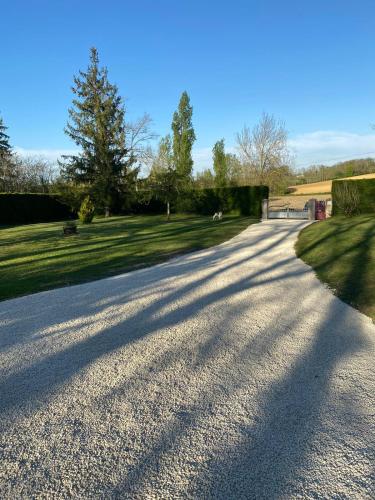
(310, 63)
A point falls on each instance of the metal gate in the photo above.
(312, 210)
(288, 213)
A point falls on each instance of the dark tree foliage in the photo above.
(183, 139)
(28, 208)
(97, 126)
(5, 148)
(7, 170)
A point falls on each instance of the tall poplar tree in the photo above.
(183, 139)
(164, 179)
(220, 164)
(97, 126)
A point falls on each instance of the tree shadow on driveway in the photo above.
(257, 287)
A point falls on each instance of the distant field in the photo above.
(322, 187)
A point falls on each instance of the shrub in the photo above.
(70, 227)
(28, 208)
(86, 212)
(350, 197)
(347, 198)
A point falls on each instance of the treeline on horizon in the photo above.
(348, 168)
(116, 159)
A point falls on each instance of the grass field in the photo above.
(342, 252)
(321, 187)
(38, 257)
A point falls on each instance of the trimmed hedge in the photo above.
(146, 206)
(366, 192)
(244, 200)
(27, 208)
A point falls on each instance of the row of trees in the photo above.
(316, 173)
(23, 174)
(262, 159)
(112, 150)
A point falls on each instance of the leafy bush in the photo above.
(87, 210)
(353, 196)
(28, 208)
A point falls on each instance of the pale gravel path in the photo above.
(226, 373)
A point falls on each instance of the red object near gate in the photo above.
(320, 210)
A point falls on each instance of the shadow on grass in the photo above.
(88, 257)
(64, 364)
(345, 259)
(274, 449)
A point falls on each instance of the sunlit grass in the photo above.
(38, 257)
(342, 252)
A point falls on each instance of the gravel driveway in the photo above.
(226, 373)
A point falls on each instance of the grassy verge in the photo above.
(342, 252)
(38, 257)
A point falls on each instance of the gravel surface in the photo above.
(226, 373)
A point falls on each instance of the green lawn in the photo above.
(342, 252)
(38, 257)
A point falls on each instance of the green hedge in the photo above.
(27, 208)
(142, 205)
(244, 200)
(366, 191)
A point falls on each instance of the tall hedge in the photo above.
(366, 192)
(244, 200)
(146, 206)
(27, 208)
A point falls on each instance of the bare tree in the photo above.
(27, 174)
(138, 136)
(263, 150)
(38, 173)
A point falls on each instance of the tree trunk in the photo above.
(168, 211)
(106, 211)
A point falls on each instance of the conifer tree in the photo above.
(97, 126)
(7, 174)
(5, 148)
(183, 139)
